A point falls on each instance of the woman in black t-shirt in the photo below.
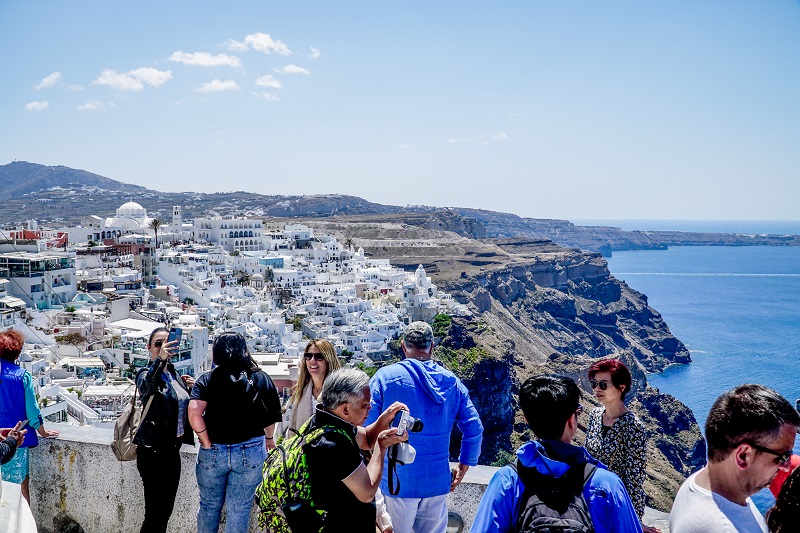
(233, 410)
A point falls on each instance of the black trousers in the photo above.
(160, 469)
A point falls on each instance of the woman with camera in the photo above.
(163, 430)
(233, 410)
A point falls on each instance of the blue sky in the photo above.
(583, 110)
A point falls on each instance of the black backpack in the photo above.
(550, 504)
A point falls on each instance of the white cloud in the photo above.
(454, 141)
(95, 105)
(405, 147)
(49, 81)
(269, 82)
(237, 46)
(266, 96)
(502, 136)
(134, 80)
(513, 115)
(37, 106)
(293, 69)
(75, 88)
(261, 42)
(217, 86)
(152, 77)
(314, 53)
(204, 59)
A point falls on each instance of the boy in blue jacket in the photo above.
(551, 405)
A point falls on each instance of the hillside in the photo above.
(60, 196)
(538, 308)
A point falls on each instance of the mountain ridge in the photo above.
(60, 196)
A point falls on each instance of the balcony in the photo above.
(76, 477)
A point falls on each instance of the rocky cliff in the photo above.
(558, 310)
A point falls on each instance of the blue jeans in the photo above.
(229, 474)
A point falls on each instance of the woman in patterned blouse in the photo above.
(614, 435)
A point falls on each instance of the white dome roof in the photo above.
(132, 206)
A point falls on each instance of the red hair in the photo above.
(620, 375)
(11, 343)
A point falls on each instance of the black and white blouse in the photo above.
(622, 447)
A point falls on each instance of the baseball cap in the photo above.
(419, 334)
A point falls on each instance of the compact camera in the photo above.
(403, 421)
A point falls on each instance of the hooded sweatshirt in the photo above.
(610, 508)
(437, 397)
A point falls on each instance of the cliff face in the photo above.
(572, 305)
(559, 313)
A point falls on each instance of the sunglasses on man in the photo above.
(781, 458)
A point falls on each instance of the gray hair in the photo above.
(343, 386)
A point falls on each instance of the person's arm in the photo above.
(148, 380)
(366, 480)
(196, 410)
(610, 507)
(32, 409)
(469, 423)
(498, 508)
(269, 436)
(383, 519)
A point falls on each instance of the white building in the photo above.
(41, 280)
(233, 234)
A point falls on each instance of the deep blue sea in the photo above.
(737, 309)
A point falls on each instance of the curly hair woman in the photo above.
(18, 402)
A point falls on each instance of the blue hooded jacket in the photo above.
(610, 507)
(436, 396)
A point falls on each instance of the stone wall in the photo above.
(76, 478)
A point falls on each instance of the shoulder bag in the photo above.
(126, 427)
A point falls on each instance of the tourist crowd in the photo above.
(345, 440)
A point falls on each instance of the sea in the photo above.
(736, 308)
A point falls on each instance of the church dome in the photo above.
(131, 209)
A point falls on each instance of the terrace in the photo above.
(75, 479)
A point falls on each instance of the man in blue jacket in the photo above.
(437, 397)
(551, 405)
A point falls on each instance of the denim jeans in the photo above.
(229, 474)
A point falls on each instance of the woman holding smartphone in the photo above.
(163, 431)
(18, 402)
(233, 410)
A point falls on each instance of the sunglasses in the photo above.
(579, 410)
(603, 385)
(314, 356)
(781, 458)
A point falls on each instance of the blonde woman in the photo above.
(318, 361)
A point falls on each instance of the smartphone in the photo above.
(24, 423)
(175, 334)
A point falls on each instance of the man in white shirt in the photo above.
(750, 434)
